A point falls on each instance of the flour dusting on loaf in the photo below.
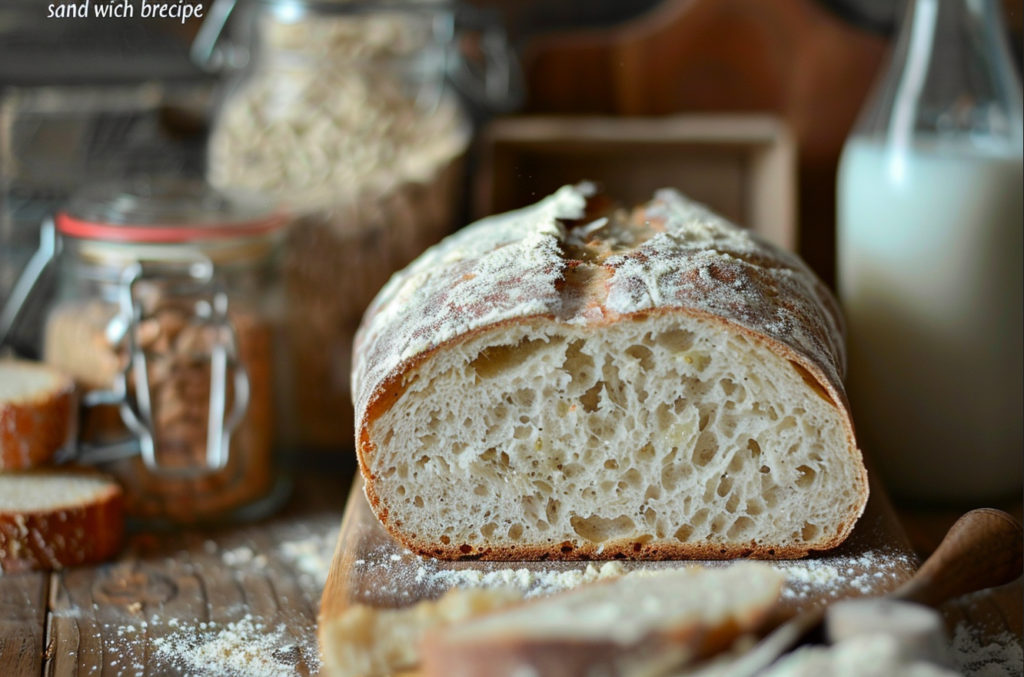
(573, 381)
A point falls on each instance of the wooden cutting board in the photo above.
(371, 568)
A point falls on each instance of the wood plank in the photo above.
(22, 623)
(371, 568)
(226, 602)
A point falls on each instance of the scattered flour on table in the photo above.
(245, 648)
(243, 555)
(866, 573)
(994, 656)
(533, 583)
(311, 556)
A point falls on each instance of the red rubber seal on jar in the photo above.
(75, 227)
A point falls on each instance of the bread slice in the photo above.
(370, 642)
(51, 519)
(643, 624)
(36, 413)
(555, 383)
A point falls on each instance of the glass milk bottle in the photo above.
(930, 256)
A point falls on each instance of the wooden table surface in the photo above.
(240, 601)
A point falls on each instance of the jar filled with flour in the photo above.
(930, 225)
(342, 112)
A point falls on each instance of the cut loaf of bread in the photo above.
(36, 412)
(51, 519)
(641, 624)
(560, 383)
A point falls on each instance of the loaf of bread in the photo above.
(573, 381)
(51, 519)
(36, 413)
(640, 624)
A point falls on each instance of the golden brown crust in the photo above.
(33, 429)
(65, 535)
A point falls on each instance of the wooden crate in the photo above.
(742, 166)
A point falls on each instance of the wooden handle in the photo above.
(985, 548)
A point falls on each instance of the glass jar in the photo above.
(167, 315)
(930, 259)
(341, 110)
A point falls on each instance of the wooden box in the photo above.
(742, 166)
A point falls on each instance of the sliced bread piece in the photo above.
(371, 642)
(36, 411)
(559, 383)
(643, 624)
(51, 519)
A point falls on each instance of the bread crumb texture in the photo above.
(652, 385)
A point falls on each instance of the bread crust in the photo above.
(63, 535)
(33, 429)
(794, 315)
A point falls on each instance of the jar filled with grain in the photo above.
(168, 315)
(344, 111)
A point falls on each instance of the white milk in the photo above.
(930, 259)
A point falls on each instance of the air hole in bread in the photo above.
(724, 485)
(592, 398)
(740, 527)
(646, 454)
(705, 449)
(807, 475)
(579, 365)
(643, 354)
(809, 532)
(675, 340)
(738, 462)
(552, 509)
(598, 529)
(718, 525)
(493, 361)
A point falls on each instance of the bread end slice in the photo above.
(36, 413)
(51, 519)
(643, 623)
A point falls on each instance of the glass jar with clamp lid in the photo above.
(166, 315)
